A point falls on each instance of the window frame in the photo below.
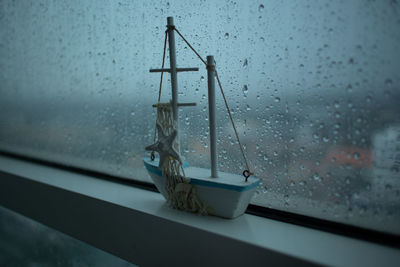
(353, 231)
(142, 229)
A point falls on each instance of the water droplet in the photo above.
(245, 89)
(316, 136)
(202, 78)
(261, 7)
(325, 139)
(336, 104)
(277, 99)
(388, 81)
(349, 88)
(395, 169)
(356, 156)
(316, 177)
(368, 187)
(226, 35)
(337, 115)
(245, 63)
(368, 99)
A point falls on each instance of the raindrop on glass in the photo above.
(245, 89)
(316, 177)
(336, 104)
(388, 81)
(245, 63)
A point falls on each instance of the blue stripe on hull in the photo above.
(154, 169)
(224, 186)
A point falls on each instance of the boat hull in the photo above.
(225, 198)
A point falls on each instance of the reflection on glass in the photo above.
(24, 242)
(314, 88)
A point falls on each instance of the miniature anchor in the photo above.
(164, 146)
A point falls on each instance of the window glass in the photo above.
(313, 86)
(25, 242)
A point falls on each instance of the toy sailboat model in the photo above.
(191, 188)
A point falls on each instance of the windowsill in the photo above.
(138, 226)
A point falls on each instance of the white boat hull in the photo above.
(227, 196)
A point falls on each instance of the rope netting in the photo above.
(181, 194)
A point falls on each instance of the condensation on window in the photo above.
(313, 87)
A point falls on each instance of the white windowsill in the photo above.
(138, 226)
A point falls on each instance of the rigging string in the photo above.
(247, 172)
(162, 66)
(190, 46)
(159, 91)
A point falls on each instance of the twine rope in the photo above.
(213, 67)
